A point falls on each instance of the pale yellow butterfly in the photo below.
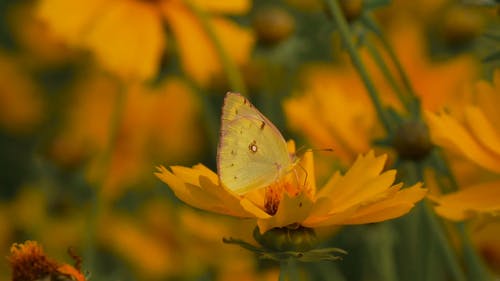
(252, 153)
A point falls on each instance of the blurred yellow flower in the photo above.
(485, 238)
(333, 109)
(455, 73)
(478, 139)
(363, 195)
(478, 199)
(128, 38)
(38, 45)
(146, 132)
(21, 102)
(29, 263)
(152, 237)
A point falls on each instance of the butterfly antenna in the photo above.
(303, 150)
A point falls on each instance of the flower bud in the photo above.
(351, 9)
(412, 140)
(273, 25)
(300, 239)
(461, 25)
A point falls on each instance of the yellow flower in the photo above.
(145, 126)
(29, 263)
(151, 238)
(455, 73)
(127, 36)
(485, 238)
(478, 199)
(334, 109)
(334, 112)
(477, 137)
(21, 102)
(363, 195)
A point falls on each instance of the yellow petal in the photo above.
(484, 131)
(395, 206)
(361, 181)
(128, 39)
(197, 188)
(254, 209)
(292, 209)
(306, 177)
(198, 55)
(237, 41)
(337, 218)
(460, 205)
(70, 19)
(223, 6)
(447, 131)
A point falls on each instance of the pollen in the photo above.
(274, 194)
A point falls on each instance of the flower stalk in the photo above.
(341, 23)
(235, 79)
(97, 198)
(408, 97)
(387, 73)
(373, 25)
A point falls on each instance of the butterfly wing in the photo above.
(252, 152)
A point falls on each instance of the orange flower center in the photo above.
(274, 194)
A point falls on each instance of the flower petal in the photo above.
(483, 129)
(196, 47)
(361, 181)
(392, 207)
(332, 218)
(199, 188)
(447, 131)
(69, 19)
(292, 209)
(460, 205)
(222, 6)
(128, 39)
(254, 209)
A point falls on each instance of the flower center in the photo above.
(274, 194)
(272, 198)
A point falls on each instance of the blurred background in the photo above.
(95, 94)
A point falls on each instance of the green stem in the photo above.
(283, 270)
(210, 118)
(392, 55)
(449, 255)
(233, 74)
(387, 73)
(475, 267)
(288, 270)
(341, 23)
(104, 163)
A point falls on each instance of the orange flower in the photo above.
(29, 263)
(145, 126)
(478, 199)
(334, 109)
(21, 103)
(478, 139)
(363, 195)
(128, 38)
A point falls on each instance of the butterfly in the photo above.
(251, 153)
